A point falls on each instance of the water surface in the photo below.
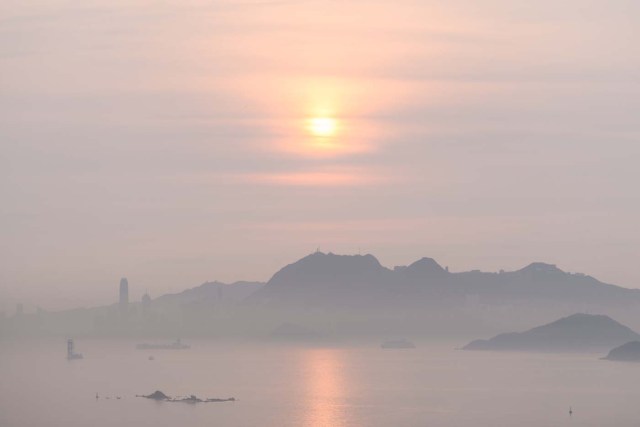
(433, 385)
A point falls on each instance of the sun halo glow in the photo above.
(323, 126)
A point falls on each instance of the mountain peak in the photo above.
(329, 259)
(327, 266)
(540, 268)
(579, 331)
(427, 267)
(583, 319)
(583, 324)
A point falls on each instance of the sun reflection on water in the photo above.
(325, 388)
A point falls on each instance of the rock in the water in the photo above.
(157, 395)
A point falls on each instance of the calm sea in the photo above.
(433, 385)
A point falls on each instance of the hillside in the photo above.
(578, 332)
(330, 280)
(629, 352)
(210, 292)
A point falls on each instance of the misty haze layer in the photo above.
(167, 141)
(165, 165)
(328, 298)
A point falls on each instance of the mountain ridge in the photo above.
(577, 332)
(322, 279)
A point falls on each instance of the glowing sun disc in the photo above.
(323, 126)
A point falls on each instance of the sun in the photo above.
(323, 126)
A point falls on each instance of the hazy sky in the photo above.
(170, 141)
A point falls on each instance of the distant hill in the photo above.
(578, 332)
(629, 352)
(330, 280)
(210, 292)
(320, 279)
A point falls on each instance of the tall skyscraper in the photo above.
(124, 295)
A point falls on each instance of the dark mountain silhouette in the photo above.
(329, 269)
(320, 279)
(629, 352)
(423, 268)
(578, 332)
(333, 280)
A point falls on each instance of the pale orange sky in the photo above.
(169, 141)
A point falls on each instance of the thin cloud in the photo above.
(313, 179)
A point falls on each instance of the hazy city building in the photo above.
(124, 295)
(146, 299)
(145, 303)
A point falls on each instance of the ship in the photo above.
(177, 345)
